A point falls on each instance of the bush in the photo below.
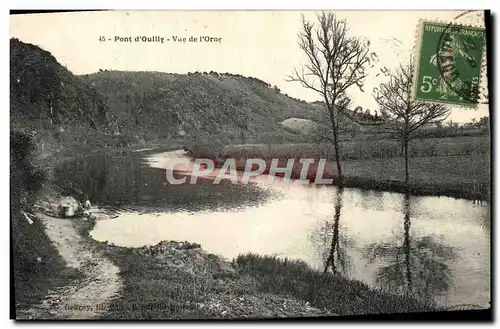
(26, 179)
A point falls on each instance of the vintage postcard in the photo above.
(181, 165)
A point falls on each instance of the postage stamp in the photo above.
(448, 63)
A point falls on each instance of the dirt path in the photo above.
(77, 300)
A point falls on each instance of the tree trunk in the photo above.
(337, 156)
(407, 171)
(336, 143)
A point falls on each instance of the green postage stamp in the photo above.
(448, 63)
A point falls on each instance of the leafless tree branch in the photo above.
(335, 63)
(405, 116)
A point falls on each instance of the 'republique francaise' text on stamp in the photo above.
(448, 63)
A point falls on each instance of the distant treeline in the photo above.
(227, 74)
(256, 80)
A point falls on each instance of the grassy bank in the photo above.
(465, 177)
(329, 292)
(353, 150)
(456, 167)
(179, 280)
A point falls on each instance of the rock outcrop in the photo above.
(299, 126)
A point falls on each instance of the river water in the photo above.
(436, 247)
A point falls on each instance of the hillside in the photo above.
(147, 106)
(44, 94)
(199, 106)
(89, 111)
(144, 107)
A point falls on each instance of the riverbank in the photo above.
(179, 280)
(466, 177)
(97, 280)
(38, 267)
(458, 176)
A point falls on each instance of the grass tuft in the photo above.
(326, 291)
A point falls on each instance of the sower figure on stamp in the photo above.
(446, 57)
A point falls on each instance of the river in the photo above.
(436, 247)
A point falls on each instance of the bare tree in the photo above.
(404, 115)
(335, 63)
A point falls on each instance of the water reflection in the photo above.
(417, 267)
(127, 182)
(330, 239)
(337, 259)
(379, 238)
(372, 200)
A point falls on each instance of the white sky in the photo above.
(262, 44)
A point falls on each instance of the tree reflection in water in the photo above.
(417, 267)
(336, 259)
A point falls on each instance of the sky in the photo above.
(261, 44)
